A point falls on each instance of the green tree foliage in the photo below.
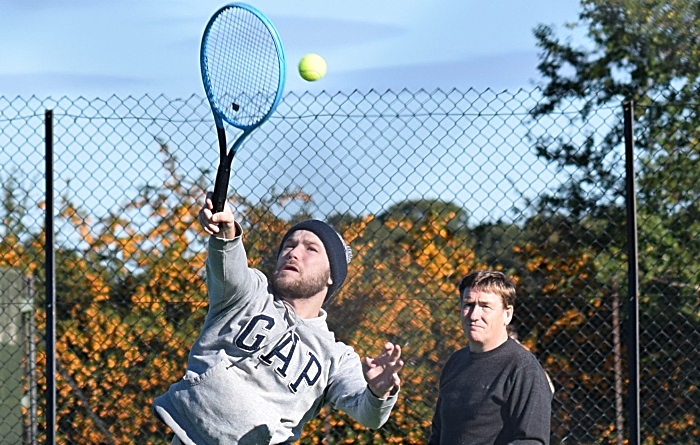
(647, 52)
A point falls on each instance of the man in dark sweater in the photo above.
(493, 391)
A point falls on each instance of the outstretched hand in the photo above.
(382, 372)
(220, 224)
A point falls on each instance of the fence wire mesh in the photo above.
(426, 186)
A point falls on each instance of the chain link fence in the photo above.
(426, 186)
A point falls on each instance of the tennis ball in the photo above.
(312, 67)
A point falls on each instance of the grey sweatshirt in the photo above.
(257, 373)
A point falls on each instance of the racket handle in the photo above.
(221, 187)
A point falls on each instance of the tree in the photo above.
(402, 288)
(130, 299)
(647, 52)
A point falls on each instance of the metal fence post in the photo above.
(50, 289)
(633, 274)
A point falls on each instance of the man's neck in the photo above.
(308, 307)
(479, 348)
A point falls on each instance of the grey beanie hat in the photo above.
(339, 253)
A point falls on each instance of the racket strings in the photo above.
(242, 64)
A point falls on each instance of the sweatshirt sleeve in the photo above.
(348, 391)
(229, 280)
(531, 406)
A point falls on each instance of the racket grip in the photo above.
(221, 187)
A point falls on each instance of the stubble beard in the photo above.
(301, 288)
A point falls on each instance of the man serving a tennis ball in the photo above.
(312, 67)
(265, 362)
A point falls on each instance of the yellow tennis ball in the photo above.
(312, 67)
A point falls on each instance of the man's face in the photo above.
(302, 269)
(484, 319)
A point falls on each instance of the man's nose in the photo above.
(294, 252)
(474, 313)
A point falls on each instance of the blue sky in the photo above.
(133, 47)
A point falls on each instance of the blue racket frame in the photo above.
(226, 156)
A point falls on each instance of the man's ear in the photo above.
(509, 314)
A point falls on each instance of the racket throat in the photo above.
(221, 186)
(221, 134)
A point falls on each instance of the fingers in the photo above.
(390, 354)
(389, 359)
(205, 216)
(382, 372)
(214, 223)
(393, 351)
(207, 222)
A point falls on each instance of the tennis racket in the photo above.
(243, 71)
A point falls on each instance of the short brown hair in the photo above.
(489, 281)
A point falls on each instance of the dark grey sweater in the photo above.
(496, 397)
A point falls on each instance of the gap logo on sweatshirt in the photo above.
(252, 337)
